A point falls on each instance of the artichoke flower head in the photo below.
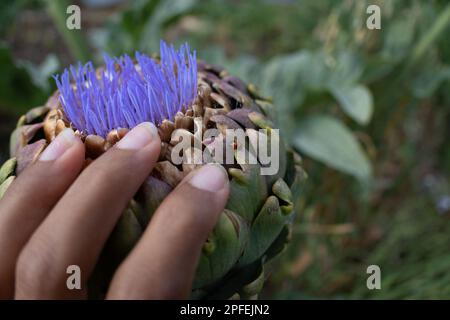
(183, 97)
(124, 93)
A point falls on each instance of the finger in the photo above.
(76, 230)
(163, 263)
(32, 196)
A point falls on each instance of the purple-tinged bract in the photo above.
(126, 94)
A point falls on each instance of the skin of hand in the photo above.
(55, 215)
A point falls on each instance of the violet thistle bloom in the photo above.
(125, 94)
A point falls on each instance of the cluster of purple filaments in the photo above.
(131, 94)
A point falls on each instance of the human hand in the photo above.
(52, 217)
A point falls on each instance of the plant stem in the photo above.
(430, 36)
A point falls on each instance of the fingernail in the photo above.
(61, 144)
(211, 177)
(139, 137)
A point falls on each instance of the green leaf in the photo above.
(356, 102)
(288, 71)
(344, 68)
(327, 140)
(285, 78)
(292, 78)
(432, 76)
(400, 38)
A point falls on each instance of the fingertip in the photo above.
(73, 158)
(139, 137)
(142, 142)
(174, 238)
(210, 177)
(212, 180)
(64, 141)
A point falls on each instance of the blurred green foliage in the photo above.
(369, 111)
(15, 75)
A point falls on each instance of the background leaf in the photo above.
(326, 139)
(356, 101)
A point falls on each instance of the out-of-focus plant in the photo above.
(23, 84)
(8, 11)
(140, 26)
(306, 85)
(73, 38)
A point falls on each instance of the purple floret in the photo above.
(122, 99)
